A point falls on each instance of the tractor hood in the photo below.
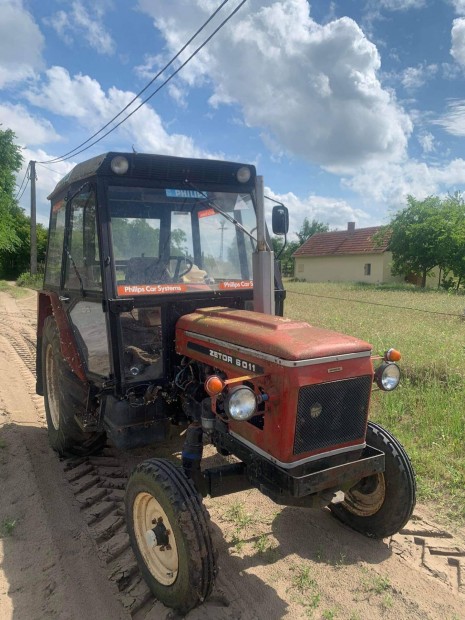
(273, 335)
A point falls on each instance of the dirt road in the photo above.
(64, 552)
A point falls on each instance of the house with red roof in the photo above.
(346, 255)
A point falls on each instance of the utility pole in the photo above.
(222, 227)
(32, 176)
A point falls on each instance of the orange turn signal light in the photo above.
(214, 385)
(392, 355)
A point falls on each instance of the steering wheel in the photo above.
(179, 259)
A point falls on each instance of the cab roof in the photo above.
(159, 167)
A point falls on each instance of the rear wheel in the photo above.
(64, 397)
(380, 505)
(169, 531)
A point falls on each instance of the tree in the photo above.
(417, 240)
(10, 163)
(453, 247)
(308, 229)
(16, 260)
(287, 262)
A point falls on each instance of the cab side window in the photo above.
(55, 243)
(82, 250)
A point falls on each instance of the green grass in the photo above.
(14, 291)
(7, 527)
(27, 280)
(237, 514)
(427, 412)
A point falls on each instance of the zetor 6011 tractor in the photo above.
(162, 309)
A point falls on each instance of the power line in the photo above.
(75, 151)
(48, 168)
(25, 188)
(375, 303)
(21, 186)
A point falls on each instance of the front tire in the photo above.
(380, 505)
(64, 396)
(178, 561)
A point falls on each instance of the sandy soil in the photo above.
(64, 552)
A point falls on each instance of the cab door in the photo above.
(82, 289)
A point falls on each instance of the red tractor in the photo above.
(162, 308)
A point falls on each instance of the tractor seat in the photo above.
(146, 270)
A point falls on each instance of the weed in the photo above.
(262, 543)
(387, 601)
(7, 527)
(237, 542)
(314, 600)
(341, 561)
(2, 444)
(302, 580)
(329, 614)
(372, 582)
(236, 514)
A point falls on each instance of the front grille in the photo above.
(331, 414)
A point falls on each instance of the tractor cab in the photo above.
(137, 241)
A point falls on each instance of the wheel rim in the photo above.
(162, 560)
(367, 496)
(52, 388)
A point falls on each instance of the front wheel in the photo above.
(169, 531)
(380, 505)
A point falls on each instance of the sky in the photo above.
(345, 107)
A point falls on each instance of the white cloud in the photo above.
(459, 6)
(333, 211)
(29, 129)
(415, 77)
(79, 22)
(47, 178)
(426, 140)
(82, 98)
(21, 43)
(313, 88)
(458, 41)
(453, 121)
(392, 183)
(401, 5)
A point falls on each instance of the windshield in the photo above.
(177, 240)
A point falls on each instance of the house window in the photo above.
(367, 269)
(300, 267)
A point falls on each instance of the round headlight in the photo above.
(119, 164)
(387, 376)
(243, 174)
(240, 403)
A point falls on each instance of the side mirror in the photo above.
(280, 220)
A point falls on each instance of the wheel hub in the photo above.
(367, 496)
(155, 539)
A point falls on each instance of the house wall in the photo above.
(350, 268)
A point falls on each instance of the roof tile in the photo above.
(341, 242)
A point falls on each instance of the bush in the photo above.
(29, 281)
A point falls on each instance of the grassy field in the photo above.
(427, 412)
(6, 287)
